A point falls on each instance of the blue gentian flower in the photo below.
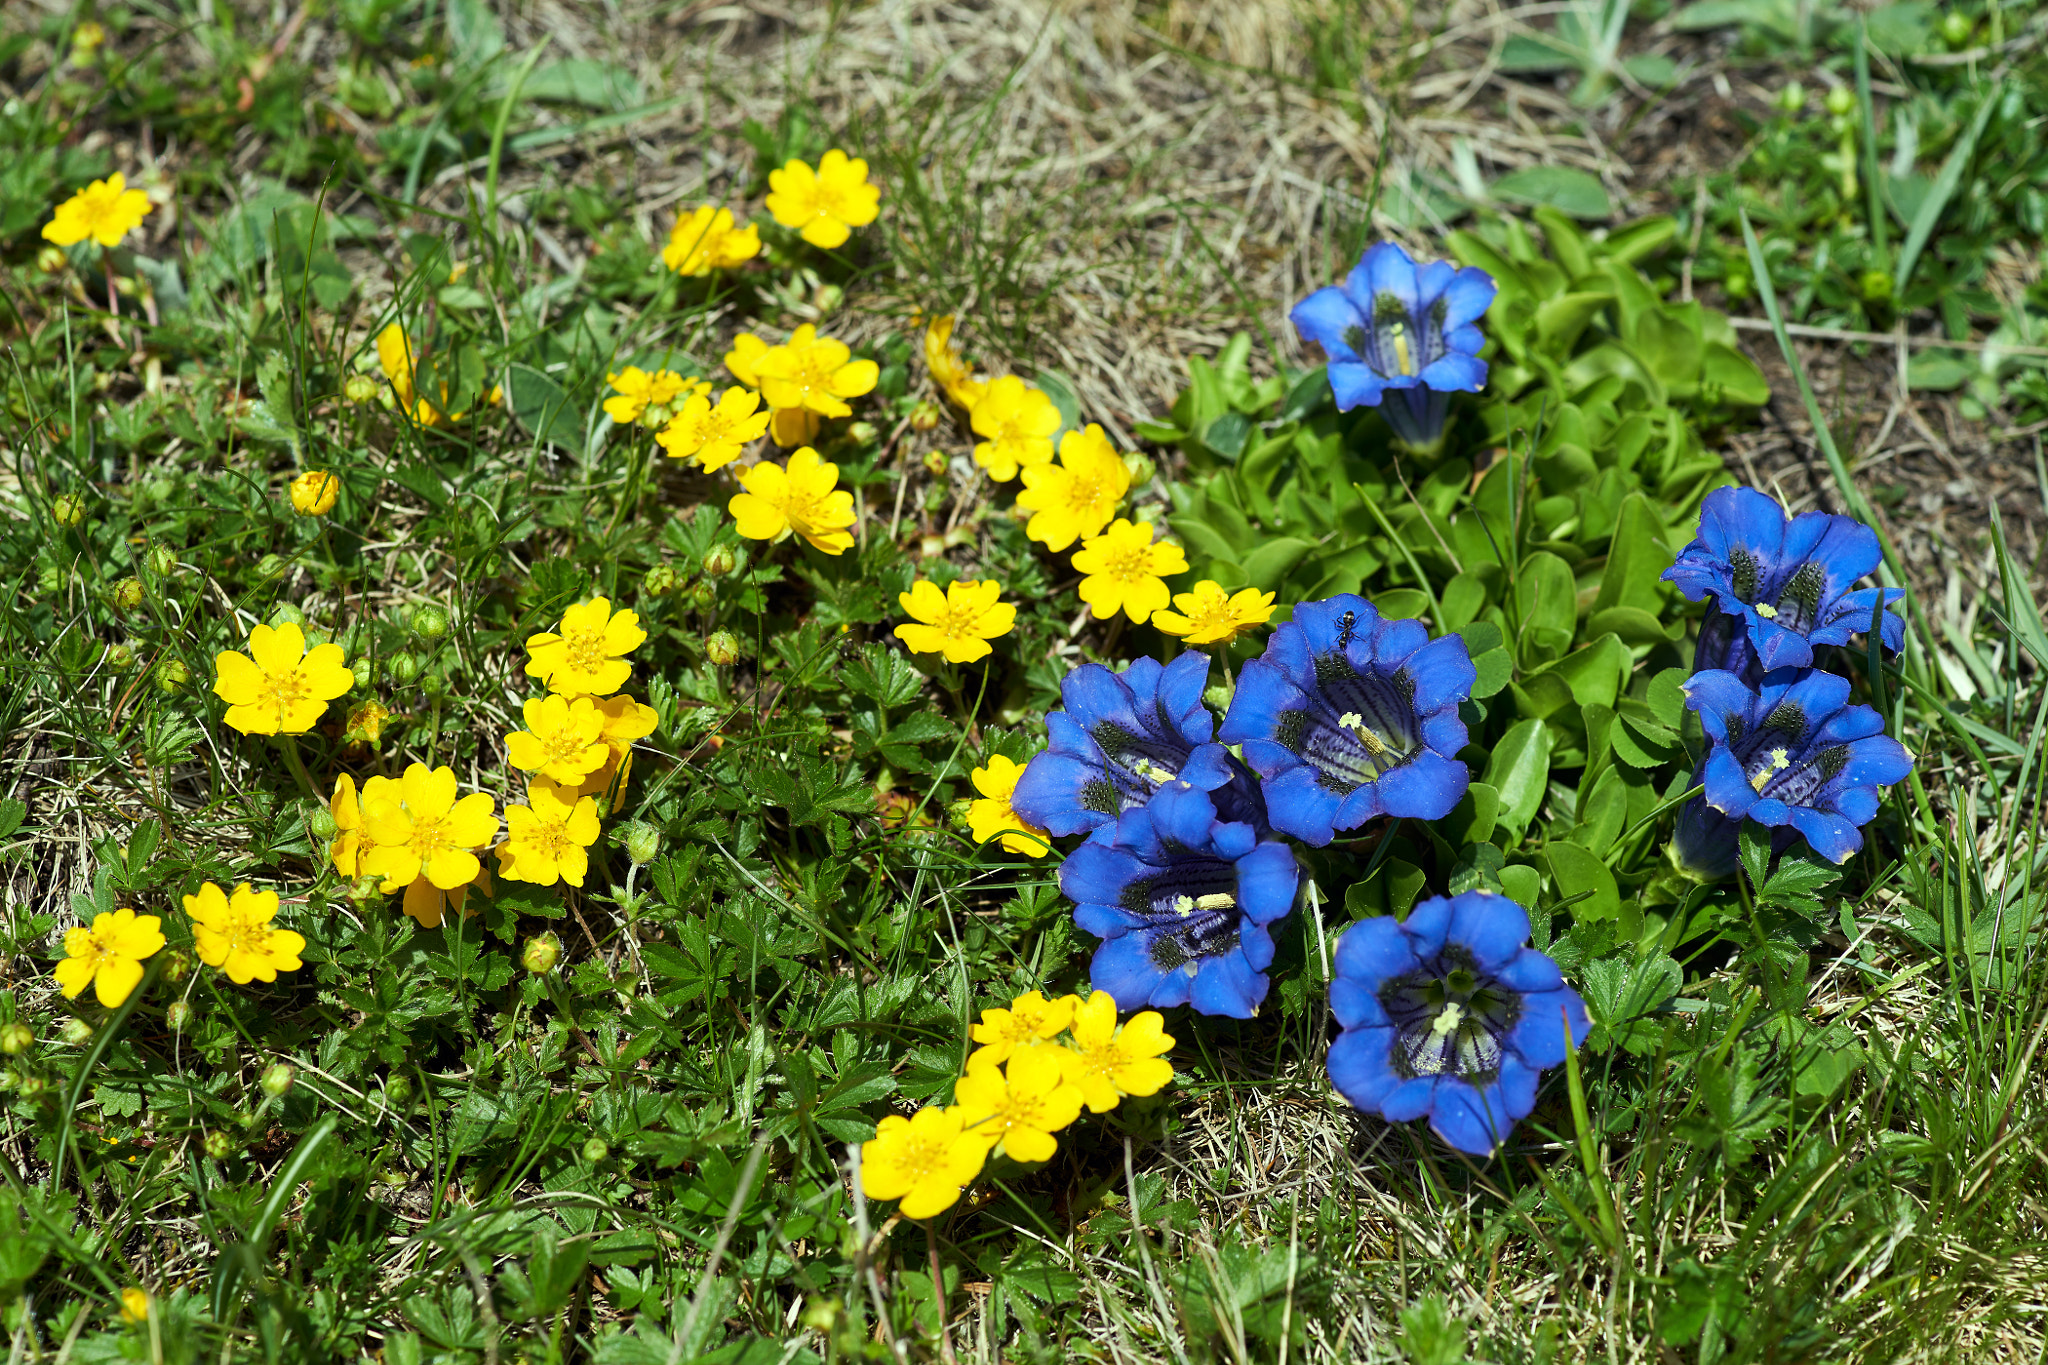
(1706, 842)
(1181, 901)
(1395, 326)
(1787, 579)
(1795, 753)
(1448, 1015)
(1121, 738)
(1347, 716)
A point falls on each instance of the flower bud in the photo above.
(1840, 101)
(366, 890)
(31, 1086)
(128, 595)
(827, 297)
(360, 388)
(1791, 97)
(429, 622)
(935, 461)
(1140, 466)
(69, 510)
(405, 669)
(1877, 285)
(320, 823)
(1218, 696)
(362, 670)
(218, 1144)
(642, 842)
(276, 1080)
(366, 722)
(821, 1313)
(1956, 28)
(596, 1150)
(9, 1078)
(926, 416)
(120, 658)
(162, 560)
(541, 953)
(398, 1091)
(863, 433)
(660, 581)
(273, 566)
(719, 561)
(172, 675)
(51, 259)
(177, 1015)
(722, 648)
(49, 581)
(434, 683)
(703, 596)
(16, 1038)
(177, 966)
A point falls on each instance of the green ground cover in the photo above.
(359, 380)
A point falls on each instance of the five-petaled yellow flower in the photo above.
(1117, 1062)
(1210, 615)
(714, 437)
(993, 813)
(957, 623)
(1018, 422)
(815, 373)
(1019, 1107)
(285, 688)
(588, 654)
(1124, 570)
(826, 204)
(949, 370)
(546, 839)
(313, 493)
(422, 829)
(1030, 1019)
(637, 393)
(234, 933)
(109, 955)
(708, 240)
(803, 499)
(563, 740)
(1077, 497)
(106, 211)
(924, 1160)
(134, 1304)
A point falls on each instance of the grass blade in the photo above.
(1938, 194)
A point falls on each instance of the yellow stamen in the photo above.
(1447, 1021)
(1767, 611)
(1401, 357)
(1184, 905)
(1780, 760)
(1217, 900)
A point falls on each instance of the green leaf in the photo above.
(1478, 869)
(1576, 192)
(1620, 996)
(1493, 669)
(1561, 321)
(1266, 567)
(1546, 606)
(1471, 820)
(1391, 890)
(1667, 696)
(1636, 561)
(1928, 215)
(1596, 673)
(1060, 389)
(1578, 872)
(1519, 770)
(1939, 371)
(542, 406)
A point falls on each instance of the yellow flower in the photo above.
(1118, 1062)
(638, 392)
(1030, 1019)
(314, 492)
(1124, 569)
(825, 204)
(744, 357)
(106, 211)
(924, 1160)
(545, 839)
(285, 688)
(1018, 421)
(1076, 497)
(625, 720)
(1211, 616)
(396, 358)
(957, 623)
(421, 828)
(134, 1300)
(993, 814)
(714, 436)
(814, 372)
(348, 846)
(803, 498)
(233, 933)
(588, 655)
(1019, 1111)
(708, 240)
(109, 955)
(429, 904)
(563, 739)
(949, 370)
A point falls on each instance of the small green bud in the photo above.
(863, 433)
(703, 596)
(51, 259)
(287, 614)
(1141, 468)
(719, 561)
(177, 1015)
(935, 461)
(9, 1078)
(1840, 101)
(434, 683)
(172, 675)
(642, 842)
(660, 581)
(31, 1086)
(219, 1144)
(1791, 97)
(722, 648)
(596, 1150)
(320, 823)
(16, 1038)
(177, 966)
(429, 622)
(361, 669)
(128, 595)
(926, 416)
(360, 388)
(398, 1091)
(1956, 28)
(541, 954)
(163, 560)
(827, 297)
(120, 658)
(405, 669)
(1877, 285)
(49, 581)
(822, 1313)
(276, 1080)
(273, 566)
(69, 510)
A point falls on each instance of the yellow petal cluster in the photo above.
(957, 623)
(817, 374)
(714, 436)
(420, 826)
(826, 204)
(587, 656)
(647, 398)
(802, 498)
(1124, 569)
(993, 814)
(1077, 497)
(235, 933)
(546, 840)
(708, 239)
(314, 492)
(1211, 615)
(949, 370)
(108, 956)
(285, 687)
(1016, 423)
(106, 211)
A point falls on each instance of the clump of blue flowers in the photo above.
(1448, 1015)
(1401, 337)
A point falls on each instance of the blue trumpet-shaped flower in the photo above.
(1788, 580)
(1448, 1015)
(1347, 717)
(1121, 737)
(1706, 843)
(1181, 901)
(1796, 754)
(1395, 327)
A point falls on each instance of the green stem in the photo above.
(297, 764)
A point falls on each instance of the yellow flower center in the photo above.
(1021, 1027)
(564, 744)
(918, 1157)
(244, 937)
(284, 690)
(959, 623)
(429, 837)
(1779, 761)
(586, 650)
(1128, 563)
(548, 839)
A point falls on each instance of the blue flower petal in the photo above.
(1727, 787)
(1428, 926)
(1455, 372)
(1228, 986)
(1360, 1067)
(1267, 878)
(1263, 692)
(1530, 972)
(1470, 1120)
(1469, 294)
(1552, 1024)
(1409, 1099)
(1374, 950)
(1426, 787)
(1385, 269)
(1329, 318)
(1491, 925)
(1717, 695)
(1296, 802)
(1834, 837)
(1124, 968)
(1354, 384)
